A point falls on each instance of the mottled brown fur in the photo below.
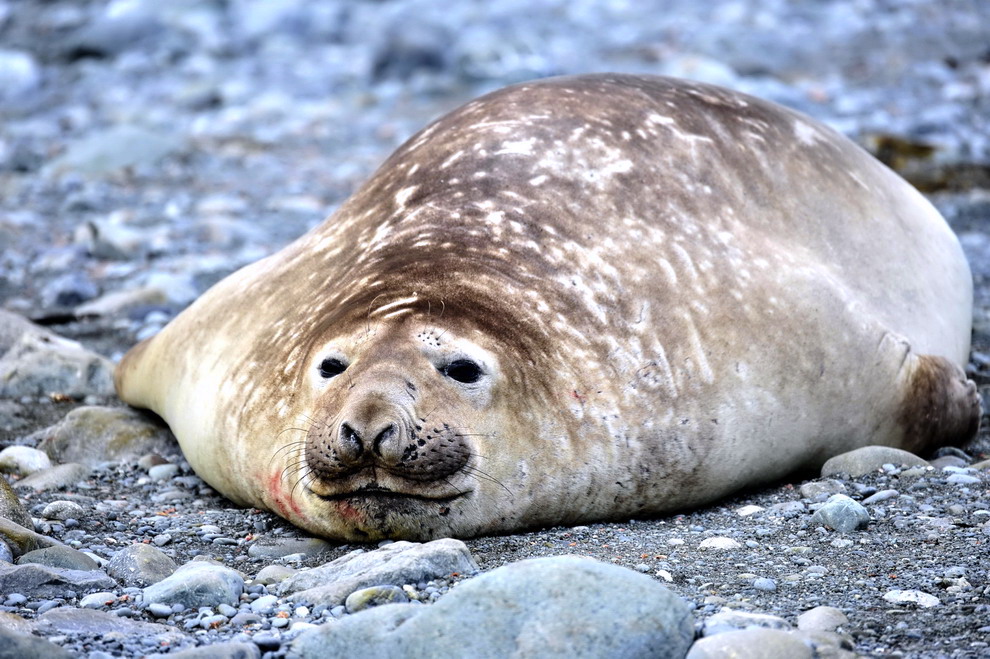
(675, 291)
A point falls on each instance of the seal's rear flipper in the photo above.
(941, 407)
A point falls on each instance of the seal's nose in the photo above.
(352, 444)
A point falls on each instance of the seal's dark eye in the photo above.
(331, 367)
(462, 370)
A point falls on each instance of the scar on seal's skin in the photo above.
(573, 300)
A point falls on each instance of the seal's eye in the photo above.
(331, 366)
(462, 370)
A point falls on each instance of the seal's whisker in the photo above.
(313, 421)
(290, 445)
(301, 479)
(295, 464)
(285, 430)
(430, 413)
(481, 475)
(293, 468)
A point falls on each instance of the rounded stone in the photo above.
(23, 460)
(563, 606)
(719, 543)
(768, 585)
(367, 598)
(751, 644)
(196, 584)
(842, 514)
(63, 510)
(59, 556)
(821, 619)
(869, 459)
(140, 565)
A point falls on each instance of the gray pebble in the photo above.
(62, 510)
(98, 600)
(882, 495)
(140, 565)
(751, 643)
(197, 583)
(842, 514)
(765, 584)
(264, 605)
(822, 618)
(374, 596)
(23, 460)
(159, 610)
(163, 472)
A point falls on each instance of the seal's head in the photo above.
(394, 443)
(415, 417)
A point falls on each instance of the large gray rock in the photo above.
(140, 565)
(43, 582)
(15, 645)
(545, 607)
(91, 435)
(869, 459)
(397, 564)
(36, 362)
(196, 584)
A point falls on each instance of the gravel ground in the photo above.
(149, 149)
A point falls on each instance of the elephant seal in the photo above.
(577, 299)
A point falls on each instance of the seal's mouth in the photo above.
(378, 493)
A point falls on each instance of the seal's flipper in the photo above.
(941, 407)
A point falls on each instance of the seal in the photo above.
(577, 299)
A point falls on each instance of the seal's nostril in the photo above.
(383, 438)
(350, 442)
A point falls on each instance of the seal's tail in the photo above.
(941, 406)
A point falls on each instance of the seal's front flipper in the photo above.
(941, 407)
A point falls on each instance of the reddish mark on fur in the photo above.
(349, 512)
(287, 506)
(578, 397)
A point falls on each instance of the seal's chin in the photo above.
(376, 511)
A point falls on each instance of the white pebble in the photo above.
(719, 543)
